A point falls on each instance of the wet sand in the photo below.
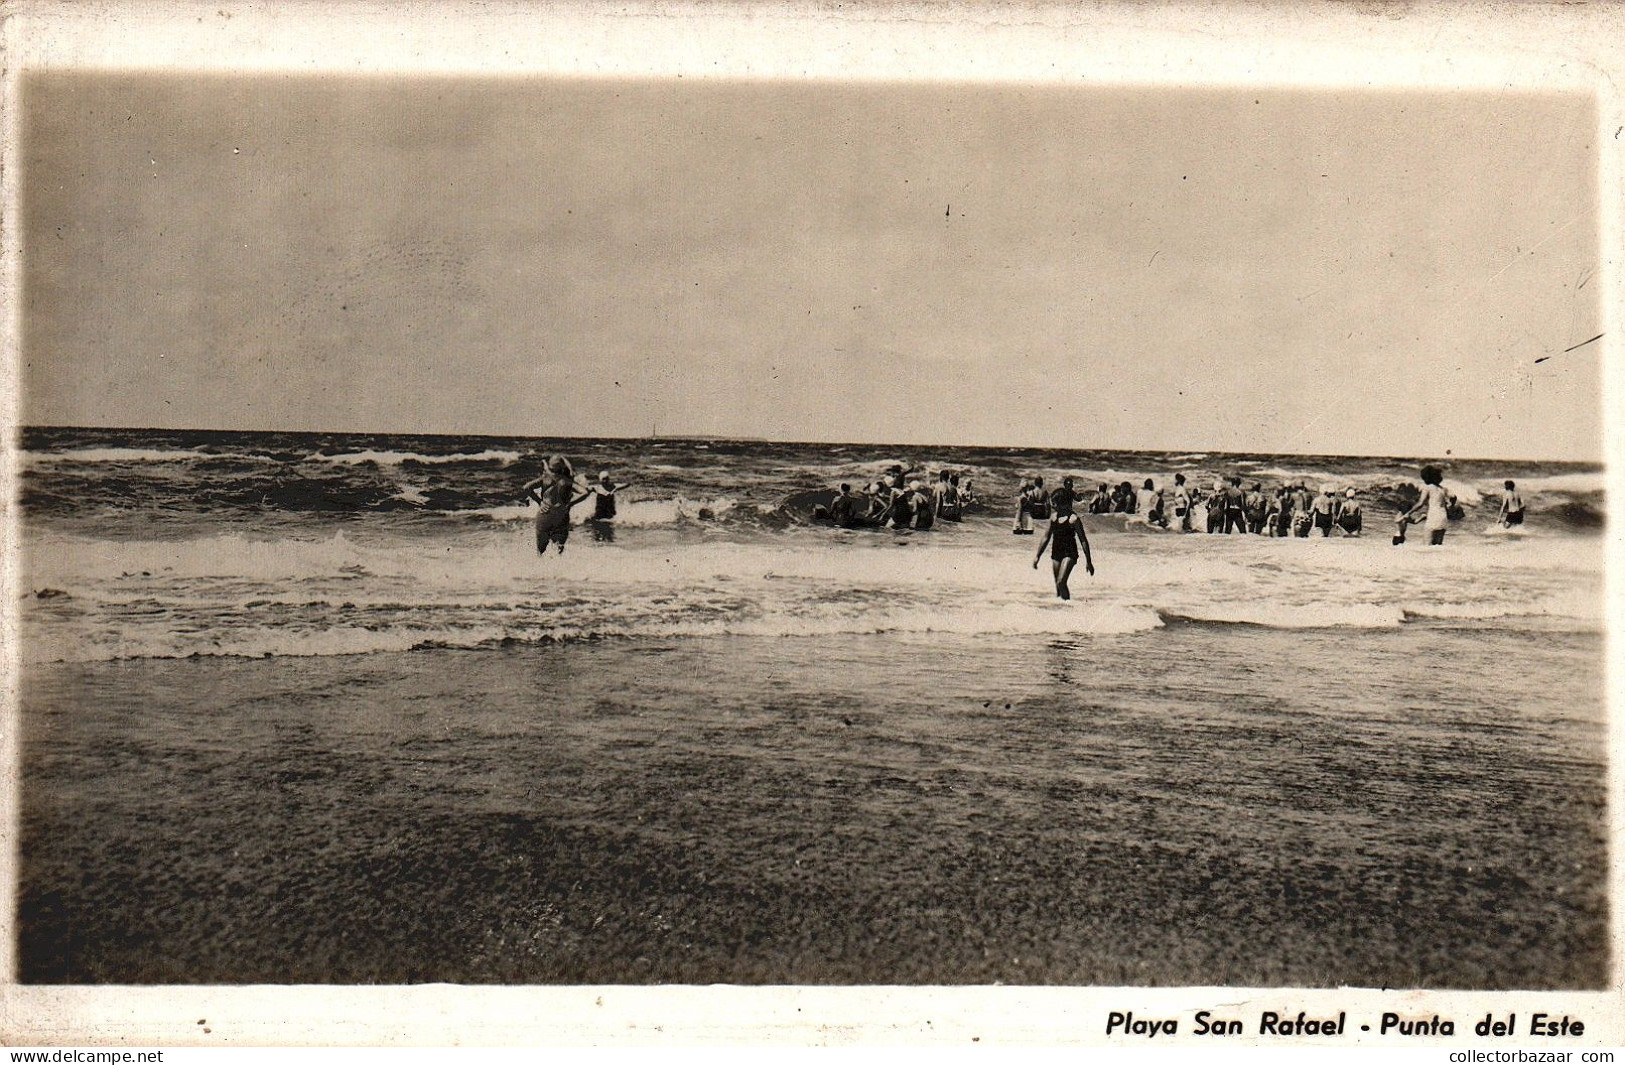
(1198, 805)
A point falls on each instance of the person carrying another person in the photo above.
(1511, 512)
(1349, 518)
(1063, 537)
(1432, 508)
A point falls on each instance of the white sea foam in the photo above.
(1288, 616)
(396, 458)
(124, 454)
(629, 513)
(371, 591)
(1561, 482)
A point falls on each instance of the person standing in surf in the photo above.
(1324, 510)
(1258, 506)
(1038, 502)
(603, 506)
(1024, 499)
(924, 503)
(1511, 512)
(554, 493)
(1433, 508)
(1235, 507)
(843, 509)
(1278, 519)
(947, 496)
(1063, 537)
(1349, 518)
(1149, 503)
(1065, 498)
(1182, 503)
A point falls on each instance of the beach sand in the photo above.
(1196, 805)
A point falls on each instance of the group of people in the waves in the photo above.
(900, 502)
(555, 493)
(1288, 510)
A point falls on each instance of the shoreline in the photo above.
(642, 813)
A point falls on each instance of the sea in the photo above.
(163, 544)
(816, 754)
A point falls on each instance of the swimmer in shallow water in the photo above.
(603, 506)
(1511, 512)
(1149, 503)
(948, 496)
(1065, 498)
(1024, 518)
(1349, 518)
(554, 494)
(1432, 509)
(1182, 503)
(1257, 507)
(1324, 511)
(1278, 519)
(843, 509)
(1064, 536)
(924, 503)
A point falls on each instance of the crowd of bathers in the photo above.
(904, 501)
(901, 502)
(1288, 510)
(1229, 507)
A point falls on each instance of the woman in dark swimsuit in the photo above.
(1063, 537)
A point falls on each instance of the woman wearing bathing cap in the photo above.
(1349, 518)
(603, 506)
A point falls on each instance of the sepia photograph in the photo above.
(539, 529)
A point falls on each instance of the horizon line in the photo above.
(706, 438)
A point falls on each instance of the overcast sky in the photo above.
(1299, 271)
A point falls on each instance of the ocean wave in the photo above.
(398, 458)
(1075, 619)
(1286, 616)
(125, 455)
(1577, 483)
(641, 513)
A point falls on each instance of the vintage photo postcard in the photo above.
(811, 523)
